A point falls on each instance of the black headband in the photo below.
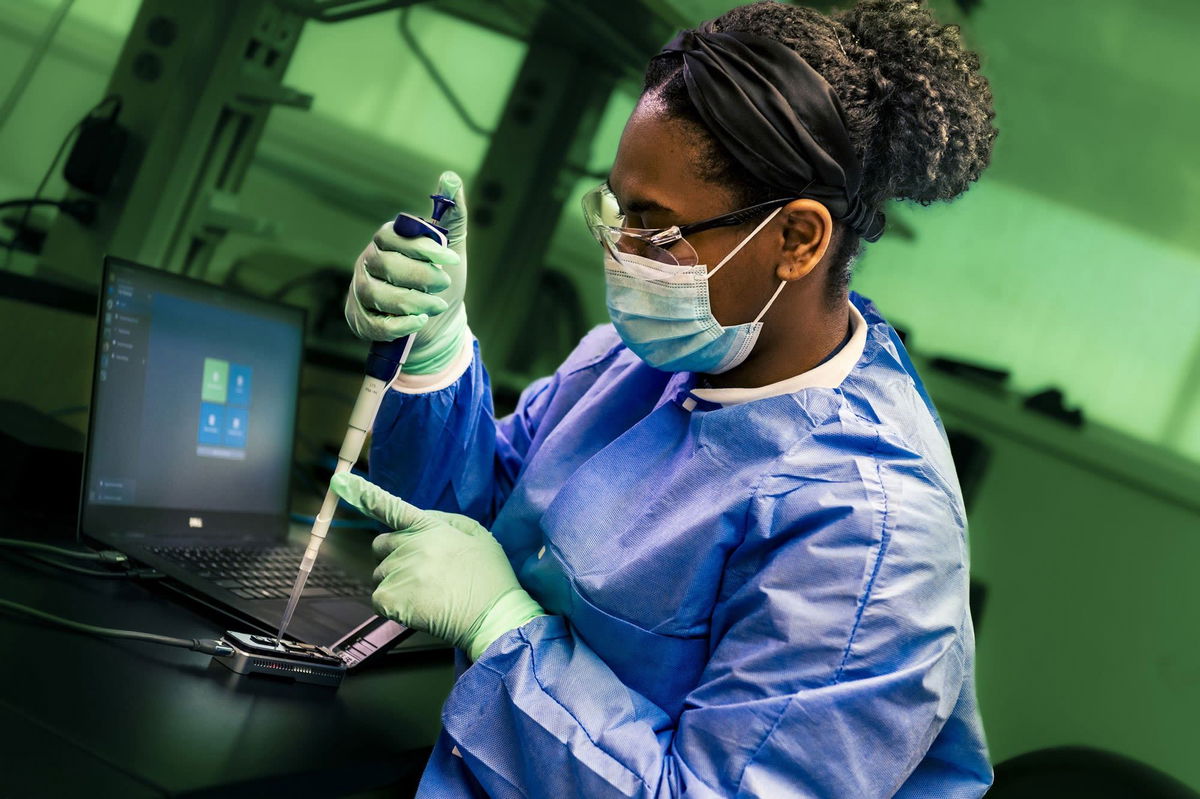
(778, 117)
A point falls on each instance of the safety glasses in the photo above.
(605, 220)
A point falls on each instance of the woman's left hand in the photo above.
(443, 573)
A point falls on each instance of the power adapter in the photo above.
(96, 155)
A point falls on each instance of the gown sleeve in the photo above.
(836, 656)
(444, 450)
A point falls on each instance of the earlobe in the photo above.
(807, 230)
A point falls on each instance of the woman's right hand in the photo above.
(415, 286)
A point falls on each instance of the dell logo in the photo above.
(195, 521)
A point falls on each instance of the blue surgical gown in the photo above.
(766, 599)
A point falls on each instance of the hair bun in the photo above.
(934, 109)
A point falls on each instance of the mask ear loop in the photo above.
(745, 241)
(770, 302)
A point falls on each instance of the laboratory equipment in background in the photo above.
(194, 133)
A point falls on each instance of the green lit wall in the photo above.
(379, 88)
(1008, 277)
(1085, 637)
(1076, 259)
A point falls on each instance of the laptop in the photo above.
(189, 454)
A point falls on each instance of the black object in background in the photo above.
(1050, 402)
(973, 371)
(1066, 772)
(32, 240)
(971, 457)
(40, 459)
(97, 153)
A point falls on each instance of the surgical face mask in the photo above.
(662, 313)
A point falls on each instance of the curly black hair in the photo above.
(918, 111)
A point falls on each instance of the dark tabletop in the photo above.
(81, 715)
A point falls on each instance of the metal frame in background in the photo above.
(197, 82)
(576, 57)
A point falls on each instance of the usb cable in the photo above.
(208, 646)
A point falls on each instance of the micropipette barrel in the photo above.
(383, 363)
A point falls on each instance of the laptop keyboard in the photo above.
(262, 572)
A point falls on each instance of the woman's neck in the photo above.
(792, 342)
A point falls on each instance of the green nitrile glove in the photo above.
(399, 284)
(440, 572)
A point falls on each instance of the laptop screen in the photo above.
(193, 406)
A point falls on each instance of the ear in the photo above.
(807, 229)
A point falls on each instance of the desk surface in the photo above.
(103, 717)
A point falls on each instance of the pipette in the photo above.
(384, 362)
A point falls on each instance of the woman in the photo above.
(727, 549)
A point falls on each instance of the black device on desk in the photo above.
(104, 717)
(189, 453)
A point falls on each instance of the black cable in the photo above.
(27, 201)
(104, 555)
(444, 85)
(359, 9)
(112, 98)
(461, 109)
(83, 210)
(37, 194)
(131, 574)
(436, 76)
(208, 646)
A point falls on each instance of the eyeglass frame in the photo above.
(677, 232)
